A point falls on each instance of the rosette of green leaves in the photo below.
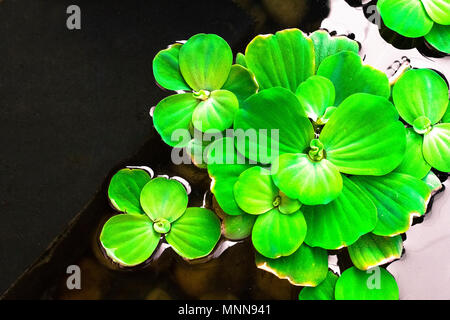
(363, 136)
(419, 18)
(212, 86)
(152, 209)
(421, 98)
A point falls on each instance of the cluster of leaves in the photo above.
(151, 209)
(342, 171)
(419, 18)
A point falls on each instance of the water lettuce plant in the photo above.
(424, 109)
(419, 18)
(318, 159)
(210, 85)
(152, 209)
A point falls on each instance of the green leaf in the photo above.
(224, 175)
(285, 59)
(238, 227)
(195, 234)
(438, 10)
(315, 95)
(305, 267)
(364, 136)
(432, 181)
(255, 191)
(312, 182)
(429, 97)
(241, 82)
(129, 239)
(164, 198)
(173, 115)
(341, 222)
(376, 284)
(288, 205)
(166, 69)
(125, 189)
(371, 250)
(436, 147)
(446, 118)
(407, 17)
(216, 112)
(398, 198)
(439, 37)
(326, 45)
(275, 234)
(276, 109)
(324, 291)
(196, 149)
(240, 60)
(413, 163)
(205, 62)
(350, 76)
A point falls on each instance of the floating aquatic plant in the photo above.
(330, 165)
(212, 86)
(426, 109)
(419, 18)
(152, 209)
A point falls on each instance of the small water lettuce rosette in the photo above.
(152, 209)
(421, 97)
(209, 88)
(419, 18)
(316, 169)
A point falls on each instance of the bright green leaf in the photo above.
(364, 136)
(407, 17)
(398, 198)
(166, 69)
(255, 191)
(276, 109)
(275, 234)
(371, 250)
(288, 205)
(438, 10)
(432, 181)
(429, 97)
(195, 234)
(305, 267)
(312, 182)
(285, 59)
(375, 284)
(205, 61)
(216, 112)
(326, 45)
(173, 115)
(238, 227)
(446, 117)
(315, 95)
(164, 198)
(241, 82)
(350, 76)
(224, 175)
(324, 291)
(129, 239)
(240, 60)
(413, 163)
(436, 147)
(341, 222)
(125, 189)
(439, 37)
